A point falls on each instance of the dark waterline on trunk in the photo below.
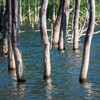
(64, 82)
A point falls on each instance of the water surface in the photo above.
(64, 84)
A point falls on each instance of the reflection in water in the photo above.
(13, 74)
(18, 88)
(65, 70)
(88, 88)
(49, 88)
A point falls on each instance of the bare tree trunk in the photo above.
(35, 11)
(38, 3)
(64, 24)
(11, 60)
(4, 40)
(17, 54)
(29, 11)
(1, 12)
(53, 10)
(53, 20)
(87, 43)
(20, 12)
(56, 28)
(87, 10)
(46, 44)
(76, 18)
(1, 35)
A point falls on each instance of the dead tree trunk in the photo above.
(53, 20)
(46, 44)
(87, 43)
(76, 31)
(29, 11)
(17, 53)
(1, 35)
(4, 40)
(1, 17)
(53, 10)
(38, 4)
(87, 10)
(11, 60)
(20, 12)
(56, 28)
(64, 24)
(35, 11)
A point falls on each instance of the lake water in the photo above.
(64, 83)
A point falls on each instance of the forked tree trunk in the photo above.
(46, 44)
(11, 59)
(17, 53)
(64, 24)
(76, 31)
(56, 28)
(87, 43)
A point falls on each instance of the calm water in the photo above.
(64, 84)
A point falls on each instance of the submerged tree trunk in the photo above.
(87, 43)
(1, 12)
(4, 40)
(17, 53)
(11, 60)
(56, 28)
(76, 31)
(46, 44)
(64, 24)
(1, 35)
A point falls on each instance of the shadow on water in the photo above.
(64, 84)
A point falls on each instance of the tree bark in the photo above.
(4, 40)
(56, 28)
(20, 12)
(64, 24)
(76, 18)
(17, 53)
(46, 44)
(11, 60)
(53, 10)
(35, 11)
(87, 10)
(87, 43)
(29, 11)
